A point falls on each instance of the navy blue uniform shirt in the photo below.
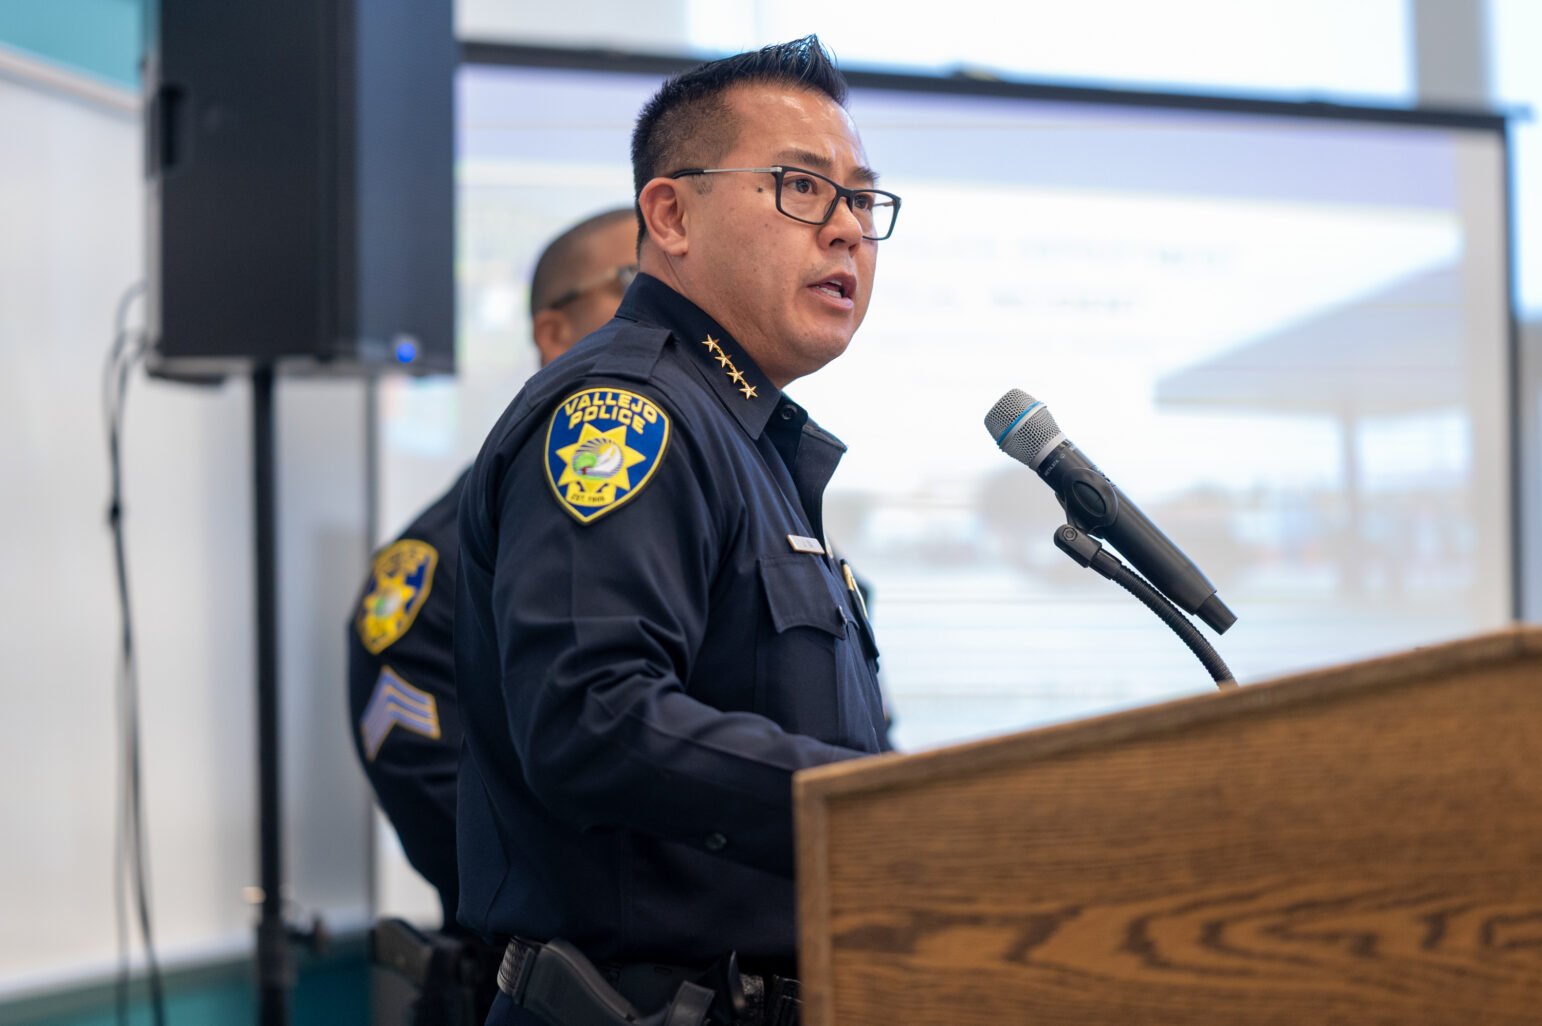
(649, 643)
(401, 690)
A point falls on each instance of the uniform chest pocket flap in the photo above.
(799, 594)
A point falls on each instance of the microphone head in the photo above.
(1023, 427)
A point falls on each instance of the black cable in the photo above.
(110, 405)
(1087, 551)
(131, 859)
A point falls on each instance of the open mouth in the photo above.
(837, 286)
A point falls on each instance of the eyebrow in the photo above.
(812, 160)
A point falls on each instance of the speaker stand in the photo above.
(275, 963)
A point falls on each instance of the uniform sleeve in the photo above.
(405, 720)
(597, 626)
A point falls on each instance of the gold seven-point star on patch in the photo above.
(399, 584)
(597, 465)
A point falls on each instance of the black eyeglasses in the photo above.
(622, 276)
(810, 197)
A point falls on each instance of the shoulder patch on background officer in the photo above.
(395, 702)
(602, 446)
(399, 585)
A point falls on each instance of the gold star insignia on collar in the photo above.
(726, 362)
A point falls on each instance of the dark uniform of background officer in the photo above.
(651, 636)
(400, 661)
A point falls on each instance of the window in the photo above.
(1283, 337)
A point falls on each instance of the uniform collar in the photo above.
(727, 369)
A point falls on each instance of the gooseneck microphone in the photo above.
(1024, 429)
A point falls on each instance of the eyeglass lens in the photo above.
(811, 198)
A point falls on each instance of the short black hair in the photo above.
(688, 124)
(562, 260)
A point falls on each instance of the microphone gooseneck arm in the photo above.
(1089, 552)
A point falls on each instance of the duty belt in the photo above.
(556, 982)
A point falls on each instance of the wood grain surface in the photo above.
(1355, 846)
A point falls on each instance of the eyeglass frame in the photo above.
(623, 276)
(780, 171)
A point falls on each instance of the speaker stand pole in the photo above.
(275, 970)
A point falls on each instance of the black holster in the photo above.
(453, 978)
(557, 983)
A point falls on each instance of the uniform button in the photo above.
(787, 412)
(716, 842)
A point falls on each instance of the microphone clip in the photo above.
(1090, 501)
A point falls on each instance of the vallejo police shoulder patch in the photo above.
(602, 446)
(399, 585)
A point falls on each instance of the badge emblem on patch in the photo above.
(399, 585)
(601, 448)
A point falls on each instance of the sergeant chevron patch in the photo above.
(397, 703)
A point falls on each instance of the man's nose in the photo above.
(844, 227)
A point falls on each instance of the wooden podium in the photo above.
(1357, 846)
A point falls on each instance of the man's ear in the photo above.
(552, 335)
(662, 202)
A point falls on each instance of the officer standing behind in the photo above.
(651, 634)
(400, 661)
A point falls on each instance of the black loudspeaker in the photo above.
(300, 186)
